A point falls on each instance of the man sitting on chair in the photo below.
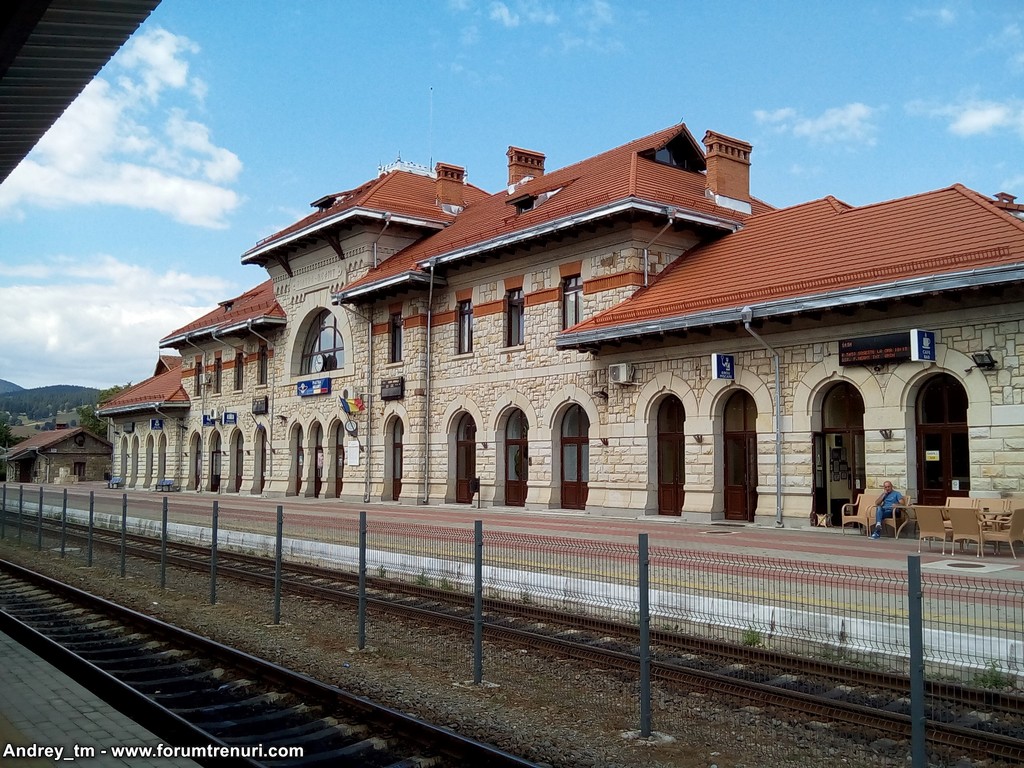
(884, 507)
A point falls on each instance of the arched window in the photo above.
(324, 349)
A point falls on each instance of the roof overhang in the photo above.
(220, 330)
(899, 289)
(266, 248)
(154, 405)
(49, 51)
(395, 283)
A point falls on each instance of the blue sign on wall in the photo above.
(230, 418)
(922, 345)
(208, 420)
(723, 367)
(313, 387)
(156, 424)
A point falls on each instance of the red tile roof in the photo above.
(165, 363)
(824, 246)
(620, 174)
(162, 390)
(396, 192)
(258, 303)
(48, 439)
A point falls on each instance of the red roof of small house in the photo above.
(396, 192)
(165, 363)
(160, 391)
(258, 304)
(819, 249)
(43, 441)
(626, 173)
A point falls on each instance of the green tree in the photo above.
(7, 439)
(87, 413)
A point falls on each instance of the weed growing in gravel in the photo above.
(423, 580)
(992, 677)
(752, 638)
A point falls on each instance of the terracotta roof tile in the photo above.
(162, 389)
(618, 174)
(47, 439)
(255, 304)
(823, 246)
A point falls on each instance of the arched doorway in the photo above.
(238, 451)
(671, 456)
(215, 462)
(465, 458)
(196, 480)
(740, 457)
(300, 459)
(575, 458)
(260, 470)
(161, 457)
(397, 436)
(148, 480)
(134, 479)
(124, 458)
(339, 458)
(943, 452)
(839, 452)
(517, 458)
(318, 455)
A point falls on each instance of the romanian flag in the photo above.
(348, 405)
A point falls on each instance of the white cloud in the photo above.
(849, 124)
(943, 16)
(503, 15)
(119, 144)
(975, 117)
(96, 323)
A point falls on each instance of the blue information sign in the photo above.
(230, 418)
(156, 424)
(313, 387)
(723, 367)
(922, 345)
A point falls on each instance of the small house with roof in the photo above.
(60, 456)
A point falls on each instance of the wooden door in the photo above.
(575, 458)
(671, 457)
(465, 459)
(517, 459)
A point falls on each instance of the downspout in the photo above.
(202, 410)
(747, 314)
(426, 390)
(671, 213)
(387, 223)
(369, 390)
(273, 388)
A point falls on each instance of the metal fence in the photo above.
(970, 626)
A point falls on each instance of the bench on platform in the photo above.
(166, 485)
(115, 482)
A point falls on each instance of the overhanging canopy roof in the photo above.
(49, 51)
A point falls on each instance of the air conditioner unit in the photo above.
(620, 373)
(208, 379)
(214, 414)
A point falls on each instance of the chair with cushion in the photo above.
(931, 525)
(1013, 532)
(965, 526)
(862, 511)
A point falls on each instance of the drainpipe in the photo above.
(369, 389)
(273, 388)
(202, 409)
(671, 213)
(426, 390)
(387, 223)
(747, 315)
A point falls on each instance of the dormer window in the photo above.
(680, 153)
(525, 204)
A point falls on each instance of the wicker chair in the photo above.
(862, 511)
(965, 526)
(931, 525)
(1011, 533)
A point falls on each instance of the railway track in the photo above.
(978, 721)
(193, 692)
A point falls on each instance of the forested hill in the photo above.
(9, 386)
(44, 402)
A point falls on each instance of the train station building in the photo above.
(636, 331)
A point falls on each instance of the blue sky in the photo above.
(219, 122)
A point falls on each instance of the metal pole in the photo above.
(21, 509)
(39, 522)
(643, 583)
(92, 518)
(213, 553)
(163, 546)
(277, 565)
(361, 639)
(478, 602)
(64, 523)
(124, 531)
(918, 754)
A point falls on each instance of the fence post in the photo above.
(478, 602)
(277, 565)
(21, 509)
(124, 531)
(213, 552)
(92, 519)
(163, 546)
(63, 523)
(915, 614)
(361, 635)
(39, 522)
(643, 583)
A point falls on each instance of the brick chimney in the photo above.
(523, 163)
(728, 162)
(451, 182)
